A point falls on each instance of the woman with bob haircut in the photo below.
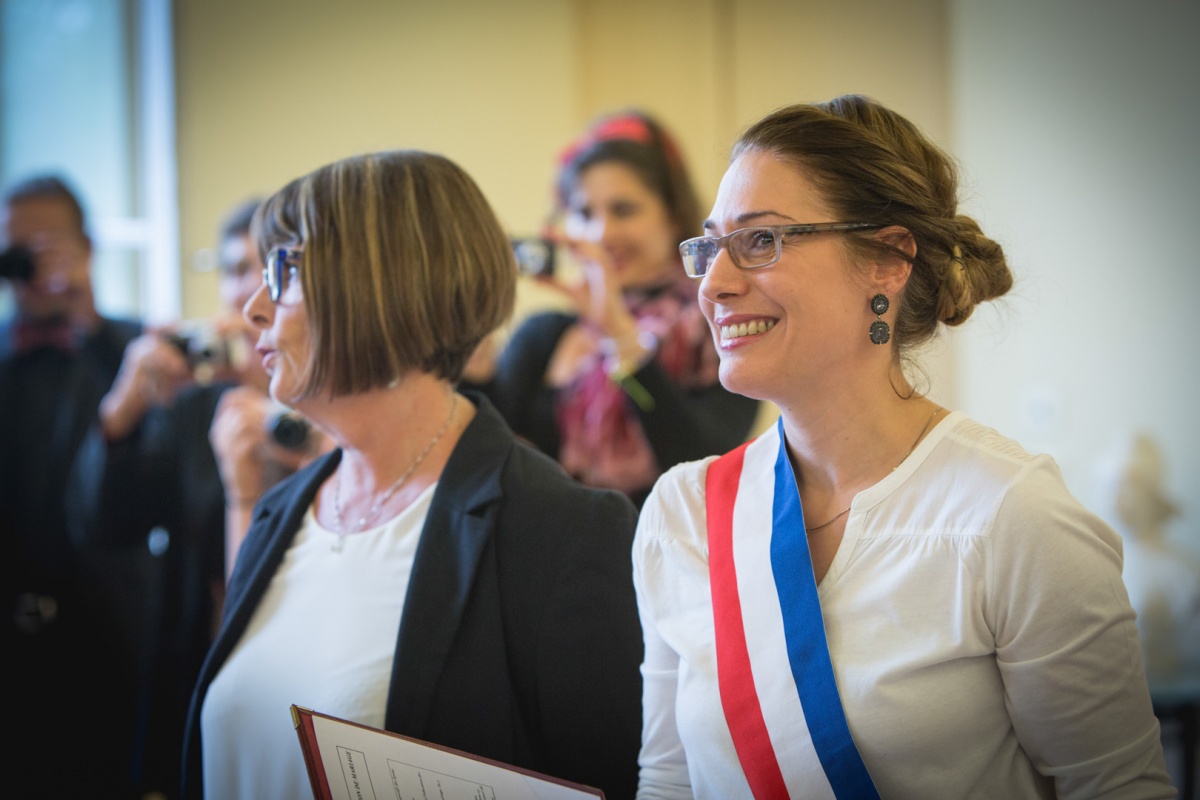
(431, 576)
(878, 596)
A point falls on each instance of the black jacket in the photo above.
(79, 646)
(519, 640)
(163, 475)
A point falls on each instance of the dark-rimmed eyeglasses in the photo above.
(280, 262)
(751, 248)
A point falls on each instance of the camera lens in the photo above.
(16, 263)
(290, 431)
(535, 257)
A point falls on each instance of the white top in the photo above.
(324, 637)
(980, 635)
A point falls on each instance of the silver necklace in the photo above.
(846, 510)
(408, 473)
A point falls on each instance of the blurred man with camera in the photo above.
(186, 442)
(70, 623)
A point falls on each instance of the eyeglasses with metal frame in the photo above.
(279, 263)
(752, 248)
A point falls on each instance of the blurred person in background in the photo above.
(72, 614)
(624, 385)
(183, 448)
(432, 576)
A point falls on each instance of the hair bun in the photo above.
(976, 271)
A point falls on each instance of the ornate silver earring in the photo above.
(880, 332)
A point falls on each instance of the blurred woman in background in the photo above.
(624, 385)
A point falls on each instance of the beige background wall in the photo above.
(1078, 122)
(271, 89)
(1075, 123)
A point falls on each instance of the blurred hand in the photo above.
(247, 455)
(597, 297)
(240, 443)
(152, 372)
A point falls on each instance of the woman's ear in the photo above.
(891, 270)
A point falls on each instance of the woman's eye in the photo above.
(762, 240)
(624, 210)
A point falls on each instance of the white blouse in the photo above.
(981, 638)
(323, 637)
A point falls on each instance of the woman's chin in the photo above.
(737, 380)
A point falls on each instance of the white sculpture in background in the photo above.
(1163, 578)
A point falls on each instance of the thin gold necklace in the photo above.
(370, 515)
(920, 435)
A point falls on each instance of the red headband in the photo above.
(625, 127)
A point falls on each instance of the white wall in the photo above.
(1077, 123)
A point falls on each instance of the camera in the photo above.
(16, 263)
(288, 429)
(208, 351)
(535, 256)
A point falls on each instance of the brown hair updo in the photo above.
(873, 165)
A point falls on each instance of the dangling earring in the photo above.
(880, 332)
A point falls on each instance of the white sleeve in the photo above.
(1067, 645)
(662, 763)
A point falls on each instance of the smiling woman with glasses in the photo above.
(877, 597)
(432, 575)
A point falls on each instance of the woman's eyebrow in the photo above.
(748, 216)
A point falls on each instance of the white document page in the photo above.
(363, 764)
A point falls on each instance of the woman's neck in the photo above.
(381, 431)
(840, 445)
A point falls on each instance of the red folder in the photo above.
(349, 760)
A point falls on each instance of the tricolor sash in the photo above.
(734, 484)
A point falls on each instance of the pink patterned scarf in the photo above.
(602, 440)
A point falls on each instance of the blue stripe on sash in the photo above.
(807, 648)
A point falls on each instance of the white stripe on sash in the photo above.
(762, 618)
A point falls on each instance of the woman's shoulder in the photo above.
(542, 324)
(675, 509)
(529, 349)
(535, 478)
(1013, 489)
(981, 455)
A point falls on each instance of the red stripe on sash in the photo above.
(739, 698)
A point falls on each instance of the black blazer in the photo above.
(519, 639)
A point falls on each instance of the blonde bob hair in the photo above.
(404, 266)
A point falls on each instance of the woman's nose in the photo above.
(259, 311)
(723, 278)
